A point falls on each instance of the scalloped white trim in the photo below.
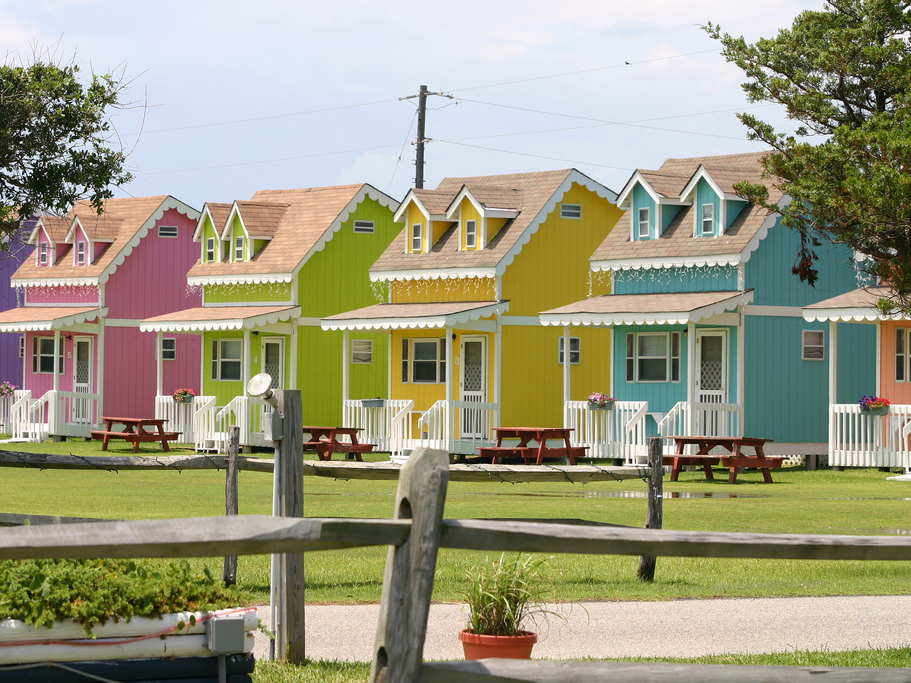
(848, 315)
(248, 323)
(454, 273)
(655, 318)
(240, 279)
(54, 323)
(56, 282)
(424, 322)
(661, 263)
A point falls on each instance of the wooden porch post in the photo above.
(567, 378)
(741, 375)
(450, 423)
(247, 358)
(292, 368)
(346, 368)
(691, 378)
(498, 371)
(833, 363)
(99, 369)
(60, 351)
(159, 377)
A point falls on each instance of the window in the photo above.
(416, 238)
(708, 219)
(901, 355)
(471, 234)
(362, 351)
(814, 345)
(573, 211)
(239, 248)
(42, 253)
(575, 354)
(406, 345)
(80, 253)
(364, 227)
(226, 359)
(167, 231)
(210, 250)
(644, 221)
(22, 346)
(169, 348)
(428, 364)
(43, 356)
(653, 357)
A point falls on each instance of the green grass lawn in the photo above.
(856, 502)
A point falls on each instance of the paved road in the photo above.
(678, 628)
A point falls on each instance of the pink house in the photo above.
(90, 281)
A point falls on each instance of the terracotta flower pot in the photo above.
(504, 647)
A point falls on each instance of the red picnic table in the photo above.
(135, 432)
(540, 452)
(325, 441)
(733, 444)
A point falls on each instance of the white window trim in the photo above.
(37, 355)
(81, 256)
(669, 357)
(361, 227)
(710, 220)
(362, 352)
(417, 239)
(806, 345)
(238, 248)
(440, 360)
(901, 354)
(218, 359)
(471, 234)
(575, 350)
(571, 212)
(172, 352)
(211, 253)
(646, 222)
(42, 253)
(168, 228)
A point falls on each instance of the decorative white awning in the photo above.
(220, 318)
(414, 316)
(855, 306)
(43, 318)
(679, 308)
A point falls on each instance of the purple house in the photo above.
(14, 251)
(80, 299)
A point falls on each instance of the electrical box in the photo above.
(225, 634)
(273, 426)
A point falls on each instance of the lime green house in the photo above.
(269, 269)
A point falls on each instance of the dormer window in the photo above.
(416, 238)
(210, 250)
(80, 253)
(643, 224)
(708, 219)
(572, 211)
(239, 248)
(42, 254)
(471, 234)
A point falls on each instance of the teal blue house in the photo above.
(706, 315)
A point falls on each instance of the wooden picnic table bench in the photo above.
(324, 440)
(538, 453)
(531, 453)
(737, 459)
(134, 432)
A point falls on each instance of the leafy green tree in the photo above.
(844, 73)
(55, 139)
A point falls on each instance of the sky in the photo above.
(229, 97)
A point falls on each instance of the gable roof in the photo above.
(677, 247)
(858, 305)
(301, 222)
(124, 223)
(533, 195)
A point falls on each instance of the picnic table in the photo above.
(135, 430)
(325, 441)
(737, 458)
(539, 452)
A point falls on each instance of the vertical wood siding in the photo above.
(661, 396)
(706, 195)
(897, 392)
(86, 296)
(668, 280)
(642, 200)
(443, 290)
(246, 294)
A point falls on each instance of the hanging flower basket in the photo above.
(184, 395)
(599, 401)
(875, 405)
(372, 402)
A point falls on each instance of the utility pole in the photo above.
(422, 112)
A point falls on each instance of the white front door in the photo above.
(82, 379)
(274, 360)
(711, 379)
(473, 386)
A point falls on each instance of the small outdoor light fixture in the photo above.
(260, 386)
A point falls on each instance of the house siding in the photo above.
(443, 290)
(670, 280)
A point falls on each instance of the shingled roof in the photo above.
(123, 223)
(677, 243)
(533, 195)
(299, 222)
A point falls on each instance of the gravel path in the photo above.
(679, 628)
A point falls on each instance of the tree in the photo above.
(845, 74)
(55, 140)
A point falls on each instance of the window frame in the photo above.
(417, 238)
(673, 350)
(81, 252)
(646, 222)
(38, 354)
(238, 248)
(471, 234)
(164, 230)
(438, 361)
(805, 346)
(42, 253)
(211, 252)
(572, 212)
(362, 227)
(169, 353)
(575, 350)
(710, 220)
(219, 361)
(365, 353)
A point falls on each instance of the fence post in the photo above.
(289, 602)
(231, 504)
(410, 567)
(655, 499)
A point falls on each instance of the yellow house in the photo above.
(464, 281)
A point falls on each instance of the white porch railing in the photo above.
(57, 413)
(181, 417)
(472, 429)
(618, 433)
(21, 424)
(246, 413)
(6, 409)
(385, 425)
(711, 419)
(859, 439)
(205, 436)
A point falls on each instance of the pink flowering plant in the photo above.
(181, 394)
(7, 389)
(600, 400)
(874, 402)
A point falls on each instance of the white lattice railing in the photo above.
(473, 427)
(181, 417)
(859, 439)
(616, 433)
(710, 419)
(383, 425)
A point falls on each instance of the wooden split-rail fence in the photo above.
(415, 533)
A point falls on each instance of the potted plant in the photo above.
(7, 389)
(875, 405)
(503, 595)
(599, 401)
(372, 402)
(184, 395)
